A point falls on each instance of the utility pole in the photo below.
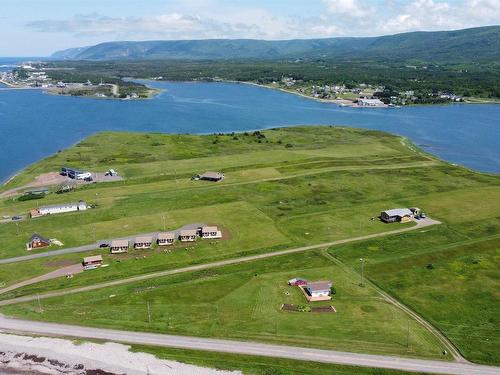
(40, 310)
(408, 335)
(149, 313)
(17, 228)
(362, 269)
(164, 222)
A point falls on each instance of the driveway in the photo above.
(73, 269)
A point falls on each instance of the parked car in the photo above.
(103, 245)
(297, 282)
(423, 215)
(16, 218)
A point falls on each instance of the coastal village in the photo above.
(37, 76)
(362, 95)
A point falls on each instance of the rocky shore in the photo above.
(25, 355)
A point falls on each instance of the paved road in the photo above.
(93, 246)
(249, 348)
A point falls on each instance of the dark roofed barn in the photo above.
(212, 176)
(36, 241)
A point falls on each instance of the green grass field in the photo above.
(243, 302)
(448, 273)
(284, 188)
(252, 365)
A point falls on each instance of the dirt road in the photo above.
(73, 269)
(92, 246)
(420, 224)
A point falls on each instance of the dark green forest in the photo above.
(466, 79)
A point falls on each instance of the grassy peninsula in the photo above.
(283, 188)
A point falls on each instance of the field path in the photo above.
(428, 326)
(420, 224)
(64, 271)
(246, 348)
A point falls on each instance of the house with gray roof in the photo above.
(143, 242)
(37, 241)
(402, 215)
(188, 235)
(210, 232)
(318, 290)
(212, 176)
(119, 246)
(166, 238)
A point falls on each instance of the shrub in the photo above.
(28, 197)
(303, 308)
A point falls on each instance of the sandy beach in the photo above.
(53, 356)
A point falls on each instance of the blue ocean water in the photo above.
(34, 125)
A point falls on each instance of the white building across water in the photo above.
(58, 209)
(364, 102)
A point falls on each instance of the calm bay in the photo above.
(34, 125)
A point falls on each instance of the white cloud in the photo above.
(172, 25)
(349, 8)
(250, 24)
(442, 15)
(340, 18)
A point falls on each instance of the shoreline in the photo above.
(10, 177)
(405, 138)
(41, 355)
(346, 101)
(152, 92)
(150, 95)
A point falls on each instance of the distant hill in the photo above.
(482, 43)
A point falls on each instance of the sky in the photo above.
(41, 27)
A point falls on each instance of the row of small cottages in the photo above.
(166, 238)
